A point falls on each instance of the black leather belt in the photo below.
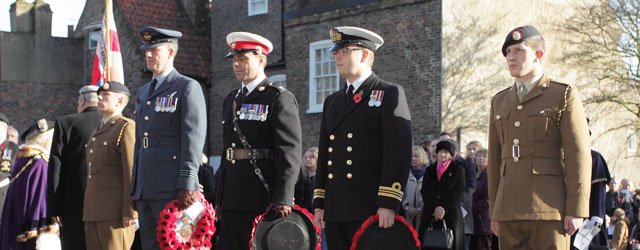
(248, 154)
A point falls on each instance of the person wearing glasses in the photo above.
(365, 142)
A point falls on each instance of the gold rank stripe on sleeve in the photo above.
(395, 191)
(318, 193)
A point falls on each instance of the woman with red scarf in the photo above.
(442, 190)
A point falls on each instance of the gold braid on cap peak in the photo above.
(395, 191)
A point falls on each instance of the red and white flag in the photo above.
(107, 62)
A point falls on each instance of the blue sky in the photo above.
(65, 12)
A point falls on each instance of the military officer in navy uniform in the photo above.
(364, 153)
(171, 125)
(8, 151)
(539, 173)
(262, 142)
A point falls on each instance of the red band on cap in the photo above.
(249, 45)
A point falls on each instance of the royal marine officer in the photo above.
(171, 125)
(539, 152)
(364, 152)
(108, 216)
(262, 139)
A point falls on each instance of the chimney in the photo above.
(42, 18)
(31, 17)
(21, 16)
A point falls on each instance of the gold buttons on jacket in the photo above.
(145, 134)
(90, 151)
(541, 111)
(146, 118)
(349, 162)
(233, 145)
(93, 139)
(329, 163)
(233, 161)
(174, 157)
(330, 176)
(349, 149)
(148, 102)
(517, 124)
(516, 141)
(89, 164)
(349, 135)
(104, 143)
(330, 149)
(497, 117)
(519, 107)
(349, 175)
(332, 137)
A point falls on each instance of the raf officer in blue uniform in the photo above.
(364, 151)
(171, 124)
(262, 142)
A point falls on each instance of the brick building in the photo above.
(299, 30)
(39, 76)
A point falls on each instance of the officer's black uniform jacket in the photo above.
(364, 152)
(239, 187)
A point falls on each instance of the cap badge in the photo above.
(147, 36)
(516, 35)
(336, 35)
(105, 86)
(233, 45)
(258, 49)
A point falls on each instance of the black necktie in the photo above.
(245, 90)
(153, 85)
(350, 92)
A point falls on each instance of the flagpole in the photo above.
(107, 40)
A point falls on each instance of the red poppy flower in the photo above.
(166, 228)
(357, 98)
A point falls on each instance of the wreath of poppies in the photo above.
(374, 219)
(200, 238)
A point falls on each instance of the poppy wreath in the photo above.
(374, 219)
(200, 237)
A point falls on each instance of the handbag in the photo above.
(437, 238)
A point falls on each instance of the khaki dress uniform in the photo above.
(109, 155)
(539, 164)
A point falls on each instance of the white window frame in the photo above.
(632, 142)
(280, 79)
(315, 106)
(97, 35)
(253, 12)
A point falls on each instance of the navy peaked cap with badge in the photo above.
(4, 118)
(347, 35)
(115, 86)
(519, 35)
(153, 37)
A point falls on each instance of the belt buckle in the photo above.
(145, 142)
(515, 152)
(229, 154)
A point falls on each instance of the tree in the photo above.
(605, 40)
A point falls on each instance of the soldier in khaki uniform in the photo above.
(539, 153)
(108, 216)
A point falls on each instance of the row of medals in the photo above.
(375, 99)
(253, 112)
(166, 104)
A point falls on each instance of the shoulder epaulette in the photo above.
(507, 88)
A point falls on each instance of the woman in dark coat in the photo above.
(481, 216)
(442, 190)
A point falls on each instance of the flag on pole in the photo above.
(107, 62)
